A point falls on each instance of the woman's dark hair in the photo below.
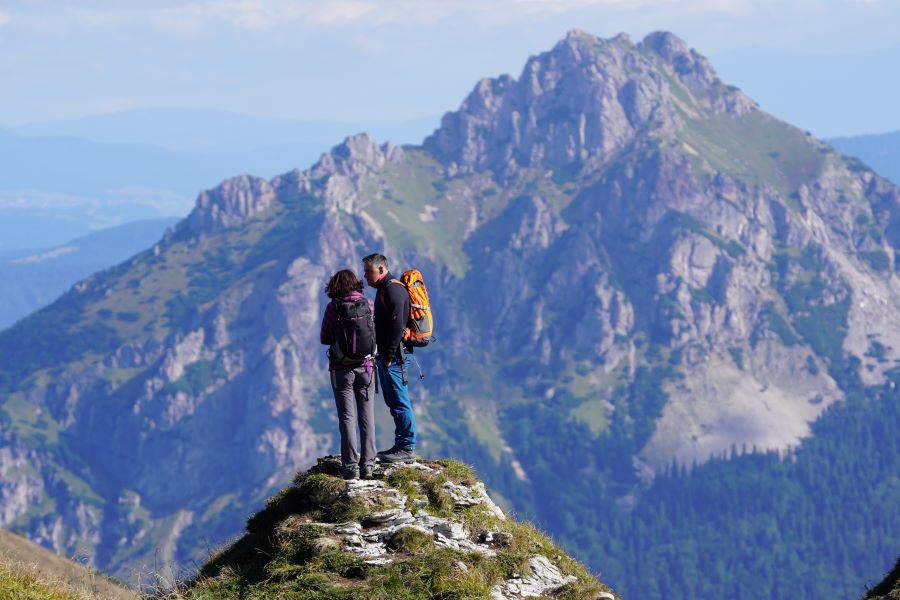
(343, 283)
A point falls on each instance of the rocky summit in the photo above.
(422, 530)
(634, 271)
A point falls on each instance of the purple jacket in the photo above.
(329, 321)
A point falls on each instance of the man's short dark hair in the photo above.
(376, 260)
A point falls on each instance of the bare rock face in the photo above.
(690, 66)
(578, 104)
(544, 578)
(232, 203)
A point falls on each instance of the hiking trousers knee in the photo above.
(354, 394)
(396, 396)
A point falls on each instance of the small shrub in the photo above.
(411, 540)
(458, 472)
(440, 503)
(345, 509)
(287, 501)
(320, 489)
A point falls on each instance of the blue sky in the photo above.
(822, 64)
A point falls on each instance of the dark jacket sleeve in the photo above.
(398, 313)
(326, 335)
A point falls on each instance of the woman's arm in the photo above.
(326, 335)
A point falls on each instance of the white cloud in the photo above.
(342, 11)
(4, 18)
(192, 15)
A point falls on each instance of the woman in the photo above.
(349, 331)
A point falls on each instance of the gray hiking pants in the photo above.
(354, 393)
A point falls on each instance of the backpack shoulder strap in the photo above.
(382, 291)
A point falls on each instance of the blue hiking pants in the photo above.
(396, 396)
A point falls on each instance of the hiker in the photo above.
(391, 317)
(348, 329)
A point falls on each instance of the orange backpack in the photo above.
(420, 326)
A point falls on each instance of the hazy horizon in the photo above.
(818, 64)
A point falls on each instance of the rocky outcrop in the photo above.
(579, 104)
(230, 204)
(424, 530)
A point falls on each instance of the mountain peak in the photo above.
(580, 103)
(231, 203)
(362, 149)
(577, 34)
(690, 65)
(665, 43)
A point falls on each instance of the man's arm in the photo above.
(398, 313)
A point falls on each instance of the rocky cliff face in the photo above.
(620, 247)
(579, 104)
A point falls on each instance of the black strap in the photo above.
(403, 366)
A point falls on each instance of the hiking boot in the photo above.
(398, 455)
(381, 453)
(350, 472)
(367, 472)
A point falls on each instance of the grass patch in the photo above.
(755, 148)
(345, 509)
(777, 323)
(438, 574)
(411, 540)
(731, 247)
(877, 259)
(198, 376)
(457, 472)
(29, 584)
(429, 486)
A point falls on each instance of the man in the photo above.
(391, 316)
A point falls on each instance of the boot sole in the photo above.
(389, 461)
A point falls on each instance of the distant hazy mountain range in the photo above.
(34, 279)
(879, 151)
(64, 179)
(212, 130)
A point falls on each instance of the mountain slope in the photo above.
(880, 151)
(671, 273)
(36, 278)
(33, 572)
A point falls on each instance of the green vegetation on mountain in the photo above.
(744, 524)
(293, 548)
(29, 572)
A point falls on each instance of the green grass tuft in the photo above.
(411, 540)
